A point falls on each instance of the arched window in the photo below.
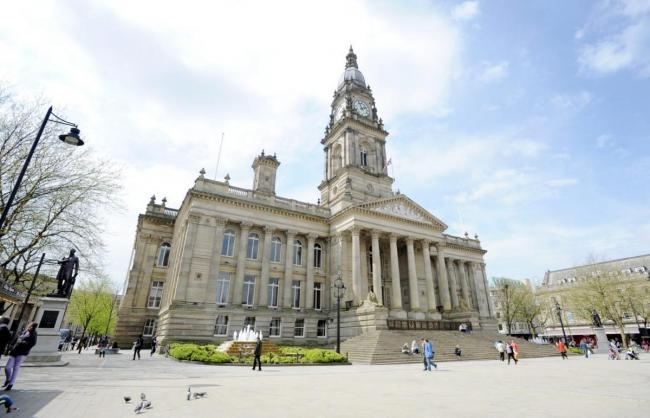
(163, 255)
(252, 246)
(228, 245)
(276, 249)
(318, 256)
(363, 157)
(297, 253)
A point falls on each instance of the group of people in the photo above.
(138, 344)
(417, 348)
(465, 328)
(509, 349)
(425, 347)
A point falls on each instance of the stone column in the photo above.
(443, 283)
(376, 267)
(186, 258)
(215, 261)
(471, 284)
(452, 283)
(431, 290)
(356, 266)
(288, 271)
(487, 291)
(483, 308)
(266, 259)
(413, 278)
(396, 302)
(311, 240)
(241, 263)
(464, 287)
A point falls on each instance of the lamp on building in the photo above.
(71, 138)
(339, 291)
(558, 309)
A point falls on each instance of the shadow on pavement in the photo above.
(30, 402)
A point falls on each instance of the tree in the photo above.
(92, 306)
(638, 297)
(531, 311)
(59, 200)
(602, 292)
(510, 299)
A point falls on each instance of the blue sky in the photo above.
(523, 122)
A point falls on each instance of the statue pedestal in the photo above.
(49, 318)
(601, 339)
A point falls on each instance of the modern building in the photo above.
(231, 257)
(556, 284)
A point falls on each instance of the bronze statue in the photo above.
(67, 274)
(596, 319)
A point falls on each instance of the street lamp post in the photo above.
(339, 288)
(558, 309)
(71, 138)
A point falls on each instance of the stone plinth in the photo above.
(49, 318)
(601, 340)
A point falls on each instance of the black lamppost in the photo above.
(339, 289)
(71, 138)
(558, 309)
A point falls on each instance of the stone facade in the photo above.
(232, 256)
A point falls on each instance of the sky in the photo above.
(523, 122)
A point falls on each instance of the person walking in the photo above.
(428, 353)
(584, 347)
(154, 344)
(17, 355)
(258, 355)
(5, 334)
(511, 353)
(458, 351)
(561, 348)
(101, 347)
(137, 346)
(501, 349)
(515, 350)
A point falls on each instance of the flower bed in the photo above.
(288, 355)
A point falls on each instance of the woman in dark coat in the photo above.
(5, 334)
(17, 355)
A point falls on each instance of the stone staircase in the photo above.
(384, 347)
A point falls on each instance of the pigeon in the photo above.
(189, 392)
(143, 397)
(127, 399)
(198, 395)
(145, 404)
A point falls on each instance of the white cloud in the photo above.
(572, 101)
(466, 11)
(620, 41)
(492, 72)
(604, 140)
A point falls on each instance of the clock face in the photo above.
(362, 108)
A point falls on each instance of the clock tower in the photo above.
(354, 144)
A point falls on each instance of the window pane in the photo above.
(223, 287)
(299, 328)
(252, 246)
(297, 253)
(274, 329)
(295, 294)
(317, 255)
(221, 325)
(249, 290)
(227, 246)
(322, 328)
(276, 250)
(274, 285)
(317, 295)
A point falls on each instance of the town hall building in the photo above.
(231, 257)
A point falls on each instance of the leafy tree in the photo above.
(59, 200)
(511, 299)
(92, 306)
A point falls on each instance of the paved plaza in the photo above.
(94, 387)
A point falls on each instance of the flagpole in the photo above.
(216, 170)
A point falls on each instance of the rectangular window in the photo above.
(155, 294)
(295, 294)
(228, 244)
(249, 320)
(149, 327)
(221, 325)
(223, 287)
(274, 329)
(276, 250)
(299, 328)
(274, 286)
(252, 246)
(317, 296)
(249, 290)
(321, 330)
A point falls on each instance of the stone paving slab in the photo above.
(548, 387)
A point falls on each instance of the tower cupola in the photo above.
(265, 167)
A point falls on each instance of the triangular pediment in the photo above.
(401, 206)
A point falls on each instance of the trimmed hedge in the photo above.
(288, 355)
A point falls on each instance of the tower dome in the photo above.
(352, 73)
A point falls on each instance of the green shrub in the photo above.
(287, 355)
(203, 353)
